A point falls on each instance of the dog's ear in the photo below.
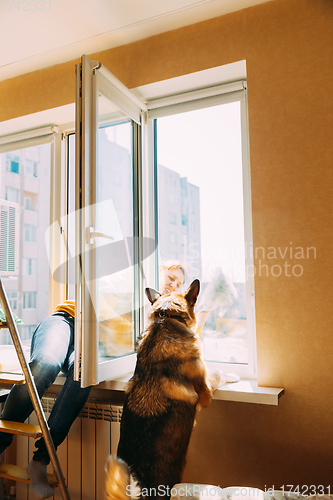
(192, 293)
(152, 295)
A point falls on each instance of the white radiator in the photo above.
(92, 437)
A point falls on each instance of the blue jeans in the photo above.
(52, 351)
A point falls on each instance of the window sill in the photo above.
(244, 391)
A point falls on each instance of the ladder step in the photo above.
(18, 428)
(17, 473)
(12, 378)
(3, 325)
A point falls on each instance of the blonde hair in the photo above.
(173, 264)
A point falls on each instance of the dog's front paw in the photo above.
(217, 379)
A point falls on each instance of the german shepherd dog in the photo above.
(169, 384)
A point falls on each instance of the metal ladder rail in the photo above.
(33, 392)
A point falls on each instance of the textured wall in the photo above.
(287, 45)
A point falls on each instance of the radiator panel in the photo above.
(82, 456)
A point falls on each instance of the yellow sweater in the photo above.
(68, 306)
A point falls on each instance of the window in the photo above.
(12, 194)
(30, 233)
(13, 300)
(29, 267)
(211, 137)
(30, 168)
(30, 201)
(197, 186)
(172, 218)
(34, 194)
(27, 203)
(29, 300)
(164, 197)
(13, 163)
(203, 148)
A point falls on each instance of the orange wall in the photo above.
(287, 45)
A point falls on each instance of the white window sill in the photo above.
(244, 391)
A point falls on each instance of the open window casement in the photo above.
(107, 211)
(121, 201)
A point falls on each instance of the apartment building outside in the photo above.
(25, 180)
(179, 234)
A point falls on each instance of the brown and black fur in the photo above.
(169, 384)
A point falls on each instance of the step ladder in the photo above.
(15, 472)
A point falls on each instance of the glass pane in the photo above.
(201, 220)
(71, 219)
(114, 218)
(25, 179)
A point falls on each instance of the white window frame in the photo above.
(93, 79)
(41, 134)
(198, 99)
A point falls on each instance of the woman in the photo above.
(172, 276)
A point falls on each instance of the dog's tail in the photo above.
(119, 484)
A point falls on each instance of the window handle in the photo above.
(91, 235)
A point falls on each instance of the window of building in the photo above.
(29, 267)
(30, 168)
(30, 233)
(29, 300)
(12, 194)
(13, 163)
(13, 300)
(172, 218)
(30, 201)
(27, 203)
